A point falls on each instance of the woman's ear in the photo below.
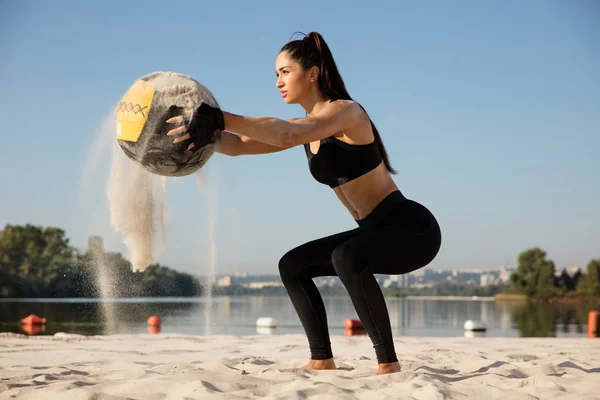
(313, 74)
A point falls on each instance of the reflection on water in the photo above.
(238, 315)
(542, 320)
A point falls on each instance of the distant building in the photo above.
(327, 281)
(419, 272)
(504, 276)
(392, 281)
(260, 285)
(387, 283)
(422, 285)
(403, 281)
(224, 281)
(486, 280)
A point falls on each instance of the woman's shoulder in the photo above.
(353, 111)
(347, 108)
(342, 103)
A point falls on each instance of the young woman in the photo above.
(395, 235)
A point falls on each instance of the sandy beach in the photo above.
(167, 366)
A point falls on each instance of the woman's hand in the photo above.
(201, 129)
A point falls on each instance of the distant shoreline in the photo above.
(522, 298)
(471, 298)
(183, 299)
(499, 298)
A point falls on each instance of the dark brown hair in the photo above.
(313, 51)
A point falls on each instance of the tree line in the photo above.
(536, 277)
(39, 262)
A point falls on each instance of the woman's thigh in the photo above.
(313, 258)
(391, 250)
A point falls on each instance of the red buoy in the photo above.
(154, 320)
(33, 329)
(593, 324)
(33, 319)
(355, 332)
(154, 329)
(353, 324)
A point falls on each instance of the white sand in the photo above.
(165, 366)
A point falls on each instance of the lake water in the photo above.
(238, 316)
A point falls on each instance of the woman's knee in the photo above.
(346, 260)
(289, 265)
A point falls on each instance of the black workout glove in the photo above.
(205, 122)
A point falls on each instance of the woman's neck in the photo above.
(313, 103)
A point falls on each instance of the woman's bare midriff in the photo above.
(363, 194)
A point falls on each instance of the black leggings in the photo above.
(397, 237)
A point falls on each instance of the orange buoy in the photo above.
(153, 329)
(355, 332)
(154, 320)
(33, 319)
(33, 329)
(593, 324)
(353, 324)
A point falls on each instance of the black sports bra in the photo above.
(338, 162)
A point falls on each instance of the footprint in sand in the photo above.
(237, 363)
(523, 357)
(289, 347)
(255, 361)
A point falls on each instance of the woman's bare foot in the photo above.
(388, 368)
(320, 364)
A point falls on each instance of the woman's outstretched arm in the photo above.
(334, 118)
(237, 145)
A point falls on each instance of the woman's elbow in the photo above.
(228, 151)
(298, 133)
(287, 140)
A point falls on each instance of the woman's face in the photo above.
(292, 81)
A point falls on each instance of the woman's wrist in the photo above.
(269, 130)
(228, 119)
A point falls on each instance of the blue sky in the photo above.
(490, 112)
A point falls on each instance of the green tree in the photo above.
(534, 275)
(565, 281)
(34, 261)
(576, 277)
(589, 283)
(39, 262)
